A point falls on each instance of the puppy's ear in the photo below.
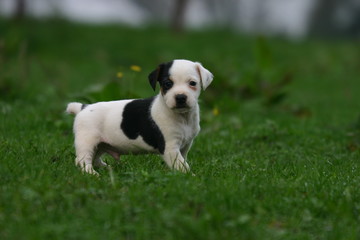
(154, 77)
(161, 72)
(206, 76)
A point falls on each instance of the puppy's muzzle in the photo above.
(180, 100)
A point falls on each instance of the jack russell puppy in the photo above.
(164, 124)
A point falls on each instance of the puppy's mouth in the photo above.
(182, 108)
(181, 105)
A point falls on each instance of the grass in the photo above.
(276, 159)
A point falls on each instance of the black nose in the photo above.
(180, 99)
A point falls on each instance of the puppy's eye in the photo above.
(192, 83)
(168, 84)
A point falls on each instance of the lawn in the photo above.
(278, 156)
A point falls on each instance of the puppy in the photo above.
(165, 124)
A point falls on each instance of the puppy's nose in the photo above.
(180, 99)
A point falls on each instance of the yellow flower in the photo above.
(215, 111)
(119, 74)
(135, 68)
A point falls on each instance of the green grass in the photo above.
(280, 161)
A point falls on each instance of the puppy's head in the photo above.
(180, 83)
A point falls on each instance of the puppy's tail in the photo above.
(75, 107)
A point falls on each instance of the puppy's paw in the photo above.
(89, 169)
(100, 163)
(182, 166)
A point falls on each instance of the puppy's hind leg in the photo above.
(85, 152)
(98, 162)
(102, 148)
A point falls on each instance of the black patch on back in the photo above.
(137, 121)
(161, 75)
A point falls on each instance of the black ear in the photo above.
(154, 77)
(161, 72)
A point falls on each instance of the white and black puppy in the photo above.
(165, 124)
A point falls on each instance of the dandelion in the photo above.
(135, 68)
(215, 111)
(119, 75)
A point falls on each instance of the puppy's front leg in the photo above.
(184, 151)
(175, 160)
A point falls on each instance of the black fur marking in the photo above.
(84, 106)
(137, 121)
(161, 75)
(166, 85)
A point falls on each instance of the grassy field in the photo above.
(278, 156)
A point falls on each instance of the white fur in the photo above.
(73, 108)
(100, 122)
